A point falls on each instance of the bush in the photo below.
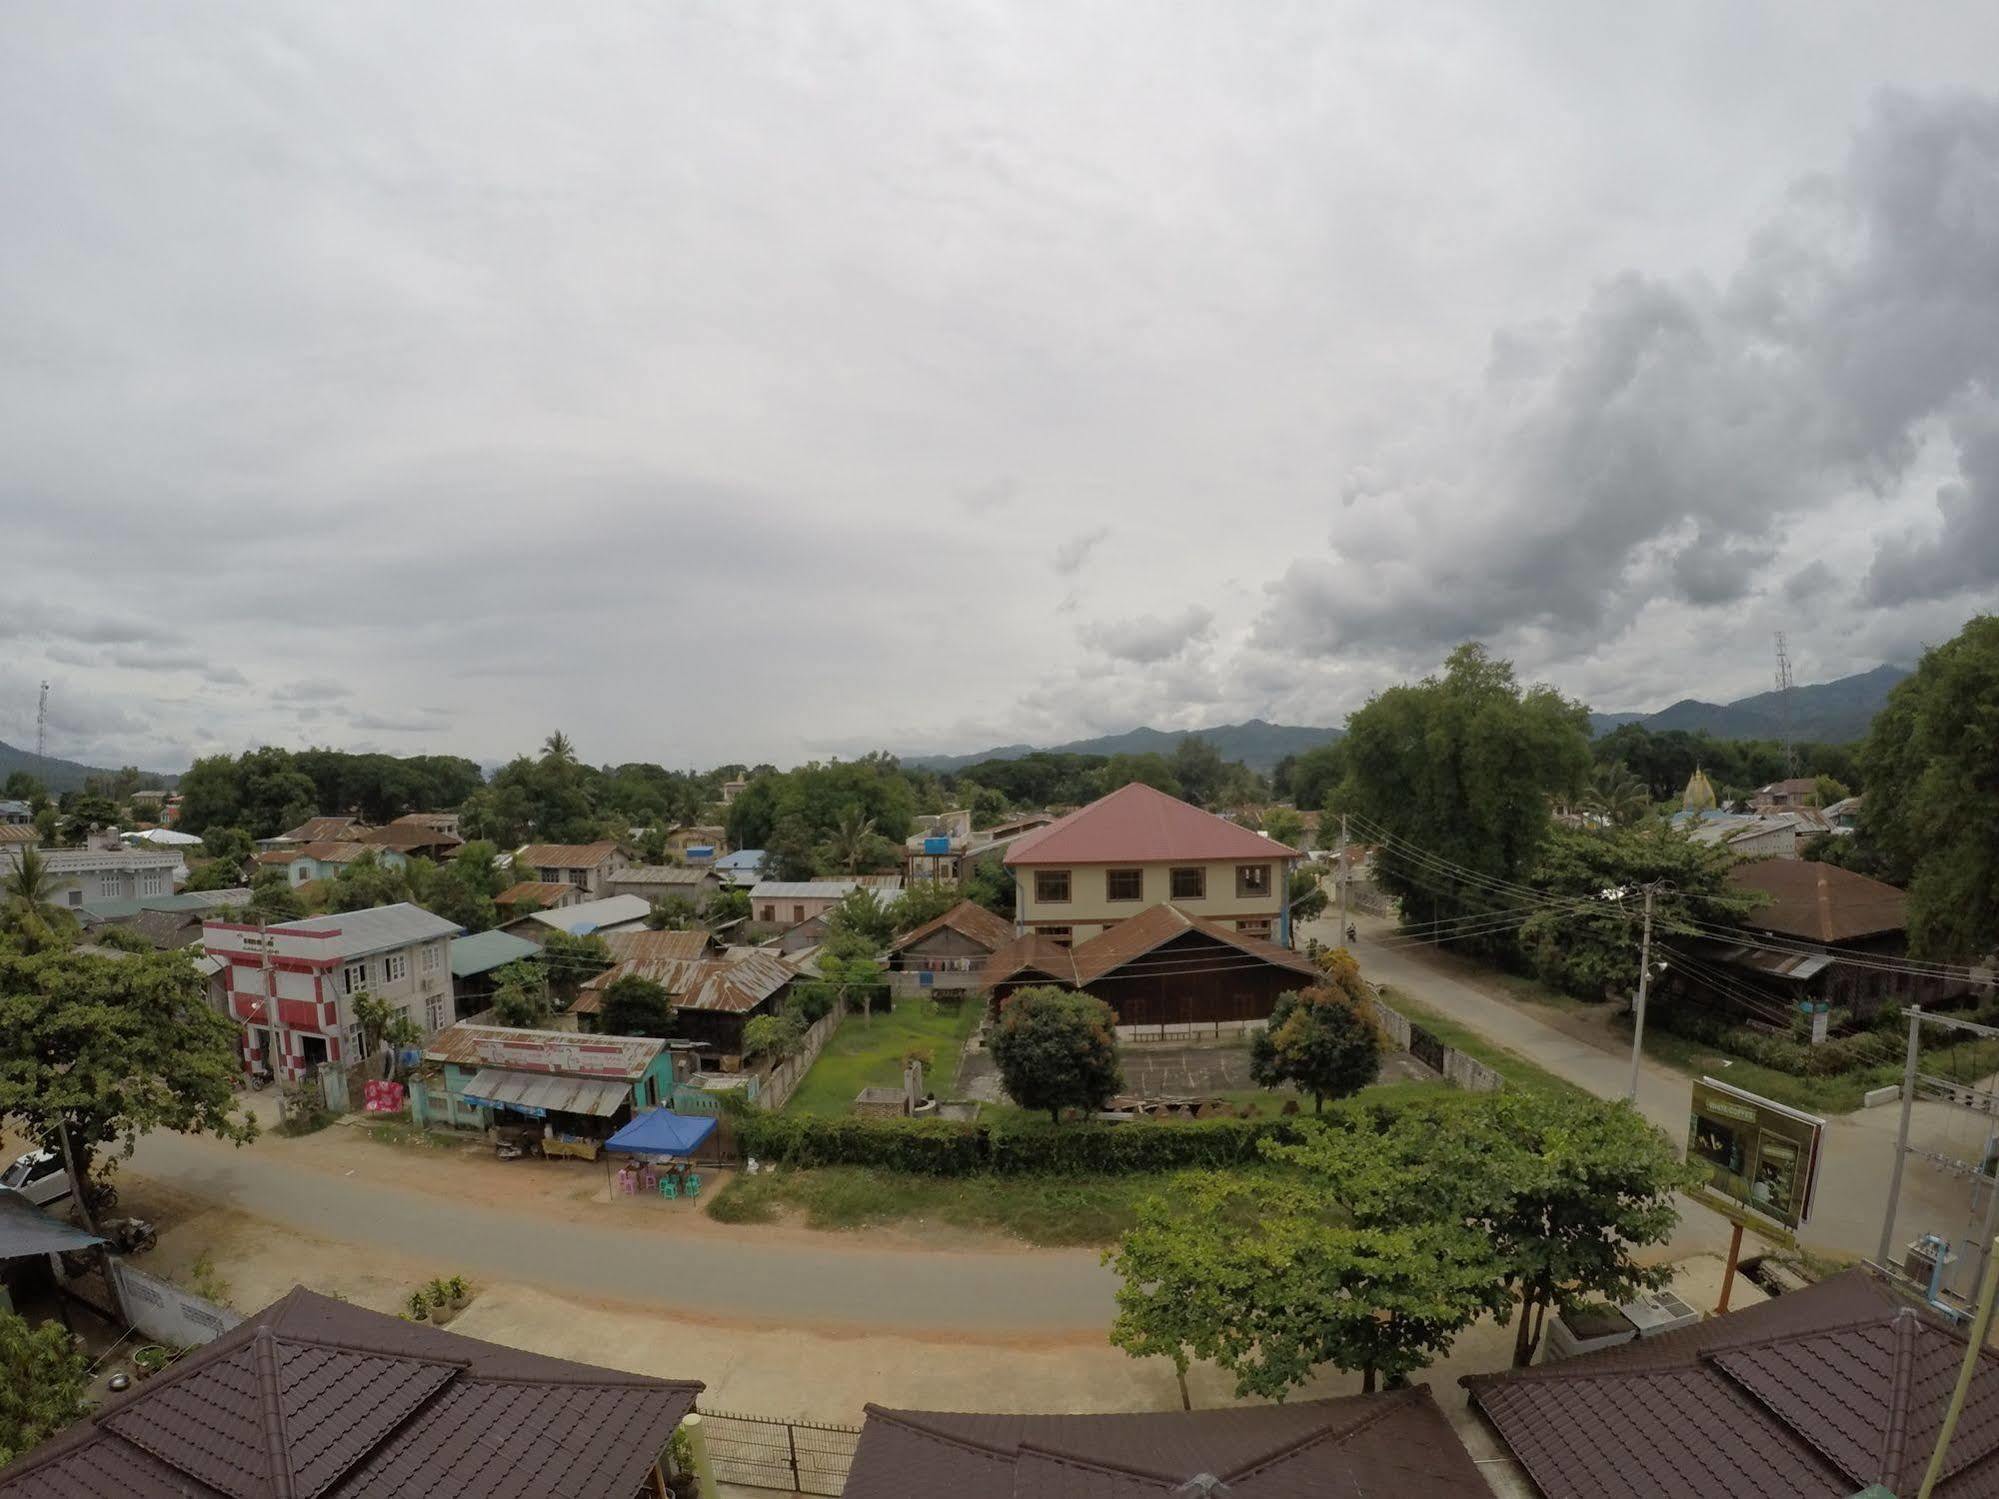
(1832, 1058)
(947, 1147)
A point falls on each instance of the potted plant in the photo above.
(437, 1298)
(460, 1292)
(419, 1308)
(150, 1359)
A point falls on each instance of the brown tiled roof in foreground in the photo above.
(314, 1397)
(1392, 1444)
(1824, 1391)
(1819, 902)
(968, 919)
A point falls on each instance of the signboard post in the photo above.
(1763, 1159)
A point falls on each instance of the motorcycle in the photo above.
(131, 1235)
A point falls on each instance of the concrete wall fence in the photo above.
(782, 1080)
(164, 1312)
(1465, 1072)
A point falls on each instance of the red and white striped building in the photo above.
(291, 985)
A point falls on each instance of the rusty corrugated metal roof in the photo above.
(968, 919)
(565, 855)
(1819, 902)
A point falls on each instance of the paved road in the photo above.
(828, 1285)
(1860, 1147)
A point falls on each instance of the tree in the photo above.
(788, 853)
(992, 885)
(860, 915)
(1616, 796)
(1307, 892)
(21, 787)
(1151, 769)
(672, 913)
(1056, 1050)
(1256, 1275)
(520, 996)
(849, 975)
(849, 844)
(635, 1006)
(30, 885)
(86, 814)
(922, 902)
(384, 1025)
(43, 1377)
(778, 1037)
(1587, 943)
(725, 906)
(1565, 1189)
(559, 748)
(272, 897)
(1459, 771)
(96, 1051)
(1933, 798)
(1199, 768)
(450, 892)
(572, 960)
(231, 846)
(1309, 777)
(364, 883)
(1285, 826)
(1324, 1039)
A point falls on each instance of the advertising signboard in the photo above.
(1763, 1155)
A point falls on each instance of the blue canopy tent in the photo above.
(661, 1132)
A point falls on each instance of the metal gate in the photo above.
(793, 1457)
(1425, 1047)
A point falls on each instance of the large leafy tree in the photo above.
(1271, 1281)
(635, 1006)
(571, 960)
(816, 796)
(42, 1381)
(1056, 1050)
(1322, 1040)
(365, 883)
(1567, 1190)
(95, 1052)
(1459, 769)
(520, 996)
(1615, 797)
(1931, 768)
(272, 898)
(1588, 944)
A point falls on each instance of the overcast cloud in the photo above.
(759, 381)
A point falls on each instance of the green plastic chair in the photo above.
(693, 1184)
(666, 1187)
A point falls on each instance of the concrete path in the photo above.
(1860, 1147)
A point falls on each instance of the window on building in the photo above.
(1255, 926)
(1124, 884)
(1252, 880)
(152, 881)
(75, 896)
(433, 1012)
(1190, 883)
(354, 978)
(797, 914)
(1051, 885)
(770, 913)
(396, 967)
(352, 1050)
(1059, 935)
(107, 883)
(548, 876)
(579, 878)
(428, 962)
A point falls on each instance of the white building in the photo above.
(292, 985)
(82, 876)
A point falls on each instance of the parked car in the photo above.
(38, 1176)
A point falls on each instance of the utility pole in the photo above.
(1644, 977)
(1974, 1349)
(1340, 874)
(42, 729)
(1902, 1135)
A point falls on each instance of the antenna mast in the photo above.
(42, 725)
(1784, 706)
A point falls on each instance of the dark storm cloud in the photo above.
(1659, 446)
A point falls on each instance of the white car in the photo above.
(38, 1176)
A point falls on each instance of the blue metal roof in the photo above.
(746, 859)
(485, 951)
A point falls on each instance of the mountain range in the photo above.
(1836, 712)
(55, 775)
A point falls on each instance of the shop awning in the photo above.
(662, 1132)
(540, 1093)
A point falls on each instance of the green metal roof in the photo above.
(485, 951)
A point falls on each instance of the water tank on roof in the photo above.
(937, 845)
(701, 851)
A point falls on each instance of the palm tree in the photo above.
(31, 883)
(558, 747)
(849, 842)
(1617, 796)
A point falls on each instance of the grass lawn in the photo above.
(1044, 1210)
(1968, 1061)
(866, 1051)
(1510, 1065)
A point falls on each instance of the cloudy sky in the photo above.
(746, 381)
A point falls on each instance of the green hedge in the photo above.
(1832, 1058)
(944, 1147)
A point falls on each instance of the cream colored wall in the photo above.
(1089, 908)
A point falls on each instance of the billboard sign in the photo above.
(1762, 1154)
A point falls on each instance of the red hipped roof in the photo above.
(1138, 825)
